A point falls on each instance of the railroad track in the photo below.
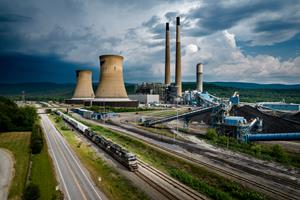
(179, 186)
(267, 189)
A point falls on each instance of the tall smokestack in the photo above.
(167, 56)
(199, 77)
(178, 58)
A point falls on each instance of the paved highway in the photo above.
(73, 177)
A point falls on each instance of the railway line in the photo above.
(252, 183)
(188, 192)
(270, 191)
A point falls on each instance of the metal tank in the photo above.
(111, 83)
(84, 88)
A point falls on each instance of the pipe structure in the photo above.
(178, 59)
(199, 77)
(84, 88)
(272, 136)
(111, 83)
(167, 56)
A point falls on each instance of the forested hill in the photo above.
(249, 92)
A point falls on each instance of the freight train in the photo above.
(123, 156)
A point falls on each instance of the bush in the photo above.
(256, 149)
(32, 192)
(211, 134)
(58, 195)
(278, 152)
(36, 143)
(14, 118)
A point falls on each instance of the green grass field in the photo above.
(114, 185)
(18, 144)
(43, 174)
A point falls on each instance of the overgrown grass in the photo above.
(200, 179)
(18, 144)
(114, 185)
(265, 152)
(43, 174)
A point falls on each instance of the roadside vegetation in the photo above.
(265, 152)
(14, 118)
(18, 143)
(42, 178)
(202, 180)
(111, 182)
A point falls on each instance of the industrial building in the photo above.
(145, 98)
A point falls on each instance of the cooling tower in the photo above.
(199, 77)
(167, 56)
(111, 84)
(84, 88)
(178, 58)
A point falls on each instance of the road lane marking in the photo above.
(92, 185)
(59, 148)
(59, 171)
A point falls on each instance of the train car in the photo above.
(123, 156)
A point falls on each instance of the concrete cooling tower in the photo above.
(84, 88)
(111, 84)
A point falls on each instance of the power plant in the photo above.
(111, 88)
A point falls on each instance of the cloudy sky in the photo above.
(236, 40)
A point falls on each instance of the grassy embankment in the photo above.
(43, 174)
(114, 185)
(266, 152)
(208, 183)
(18, 144)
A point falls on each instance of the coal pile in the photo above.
(271, 124)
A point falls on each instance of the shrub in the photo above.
(32, 192)
(211, 134)
(36, 143)
(58, 195)
(256, 149)
(278, 152)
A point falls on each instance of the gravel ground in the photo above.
(6, 172)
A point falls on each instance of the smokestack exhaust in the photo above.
(167, 56)
(199, 77)
(178, 59)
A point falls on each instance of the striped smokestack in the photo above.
(178, 58)
(167, 56)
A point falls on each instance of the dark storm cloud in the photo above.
(276, 25)
(217, 15)
(10, 17)
(17, 67)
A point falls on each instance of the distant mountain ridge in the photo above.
(244, 85)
